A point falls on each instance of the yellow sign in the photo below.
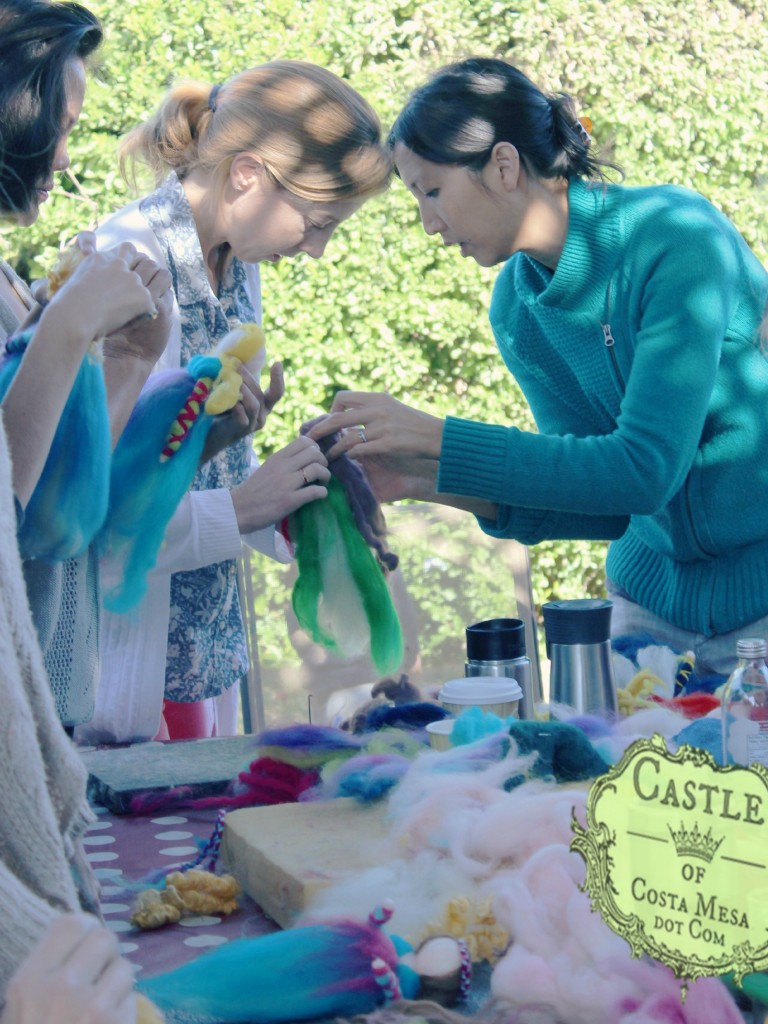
(676, 850)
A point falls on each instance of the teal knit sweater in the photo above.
(658, 442)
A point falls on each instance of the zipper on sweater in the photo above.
(610, 341)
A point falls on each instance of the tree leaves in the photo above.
(677, 90)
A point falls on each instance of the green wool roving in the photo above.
(341, 597)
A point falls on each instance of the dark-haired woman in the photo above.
(43, 806)
(630, 318)
(44, 49)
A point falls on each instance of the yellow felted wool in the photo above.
(248, 341)
(147, 1012)
(191, 892)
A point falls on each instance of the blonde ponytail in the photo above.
(170, 139)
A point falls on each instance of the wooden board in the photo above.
(117, 774)
(282, 855)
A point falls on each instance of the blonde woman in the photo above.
(262, 167)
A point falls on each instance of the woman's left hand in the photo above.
(377, 424)
(288, 479)
(75, 975)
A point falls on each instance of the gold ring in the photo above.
(304, 474)
(361, 433)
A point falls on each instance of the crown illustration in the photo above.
(694, 843)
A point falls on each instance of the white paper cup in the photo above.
(498, 694)
(440, 733)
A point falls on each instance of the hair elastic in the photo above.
(584, 127)
(213, 96)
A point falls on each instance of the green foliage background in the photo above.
(676, 90)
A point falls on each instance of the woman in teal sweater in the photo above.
(630, 319)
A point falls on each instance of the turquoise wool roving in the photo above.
(158, 454)
(341, 595)
(146, 490)
(334, 968)
(69, 504)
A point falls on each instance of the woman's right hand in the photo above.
(373, 423)
(290, 478)
(75, 975)
(102, 295)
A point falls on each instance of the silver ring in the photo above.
(361, 434)
(306, 479)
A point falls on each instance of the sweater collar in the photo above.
(588, 257)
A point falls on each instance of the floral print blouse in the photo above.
(207, 650)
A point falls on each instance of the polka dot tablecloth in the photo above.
(124, 850)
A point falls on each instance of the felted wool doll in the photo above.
(323, 969)
(69, 504)
(341, 597)
(159, 452)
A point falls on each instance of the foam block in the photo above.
(206, 767)
(282, 855)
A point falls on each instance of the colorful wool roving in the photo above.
(314, 970)
(158, 454)
(69, 504)
(341, 595)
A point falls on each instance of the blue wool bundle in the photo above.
(69, 504)
(630, 644)
(303, 973)
(705, 733)
(473, 724)
(565, 753)
(146, 491)
(366, 777)
(403, 716)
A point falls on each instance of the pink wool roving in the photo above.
(514, 848)
(657, 999)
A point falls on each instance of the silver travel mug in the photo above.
(579, 649)
(496, 647)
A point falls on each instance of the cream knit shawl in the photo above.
(43, 808)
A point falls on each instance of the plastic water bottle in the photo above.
(744, 708)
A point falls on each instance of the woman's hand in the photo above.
(144, 337)
(250, 413)
(102, 295)
(75, 975)
(377, 424)
(290, 478)
(133, 348)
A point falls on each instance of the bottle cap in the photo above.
(496, 640)
(751, 647)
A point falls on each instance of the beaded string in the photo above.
(209, 854)
(466, 969)
(386, 979)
